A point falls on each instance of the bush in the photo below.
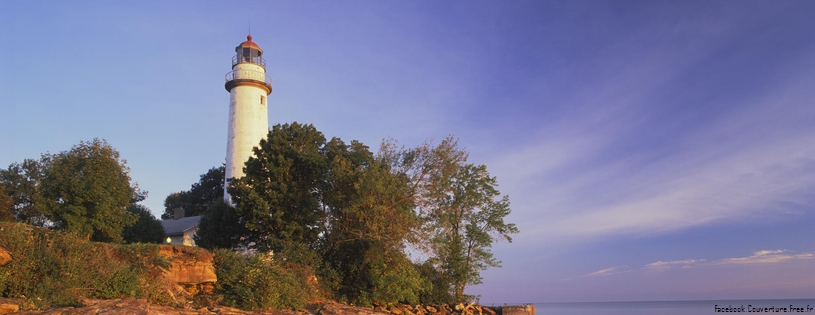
(438, 292)
(261, 281)
(372, 274)
(147, 229)
(53, 268)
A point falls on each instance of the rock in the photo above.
(5, 257)
(141, 307)
(333, 308)
(460, 307)
(189, 265)
(8, 305)
(488, 311)
(8, 308)
(444, 309)
(431, 309)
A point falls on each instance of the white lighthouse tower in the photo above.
(248, 87)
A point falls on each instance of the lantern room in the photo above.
(249, 52)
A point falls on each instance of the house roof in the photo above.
(178, 227)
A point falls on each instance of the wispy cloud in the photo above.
(752, 162)
(685, 262)
(765, 257)
(758, 257)
(609, 271)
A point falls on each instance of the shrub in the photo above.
(261, 281)
(56, 268)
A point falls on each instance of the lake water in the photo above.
(675, 307)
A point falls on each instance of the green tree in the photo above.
(468, 220)
(22, 183)
(438, 290)
(86, 190)
(147, 229)
(220, 227)
(303, 193)
(208, 190)
(371, 218)
(6, 205)
(277, 199)
(460, 209)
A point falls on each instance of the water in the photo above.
(670, 307)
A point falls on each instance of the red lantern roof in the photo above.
(250, 43)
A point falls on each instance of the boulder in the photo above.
(5, 257)
(142, 307)
(8, 306)
(189, 265)
(333, 308)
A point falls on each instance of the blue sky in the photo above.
(651, 150)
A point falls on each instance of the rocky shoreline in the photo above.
(142, 307)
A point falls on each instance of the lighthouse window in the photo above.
(246, 55)
(262, 100)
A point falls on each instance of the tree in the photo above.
(277, 199)
(6, 205)
(22, 183)
(370, 219)
(303, 193)
(86, 189)
(468, 220)
(459, 206)
(147, 229)
(208, 190)
(220, 227)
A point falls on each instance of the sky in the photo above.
(651, 150)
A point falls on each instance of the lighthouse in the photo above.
(248, 87)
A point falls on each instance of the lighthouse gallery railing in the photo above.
(248, 75)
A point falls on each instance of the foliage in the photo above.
(22, 183)
(6, 205)
(463, 215)
(55, 268)
(83, 190)
(357, 213)
(208, 190)
(371, 274)
(87, 189)
(147, 229)
(277, 199)
(459, 208)
(260, 281)
(370, 219)
(303, 192)
(468, 220)
(220, 227)
(438, 289)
